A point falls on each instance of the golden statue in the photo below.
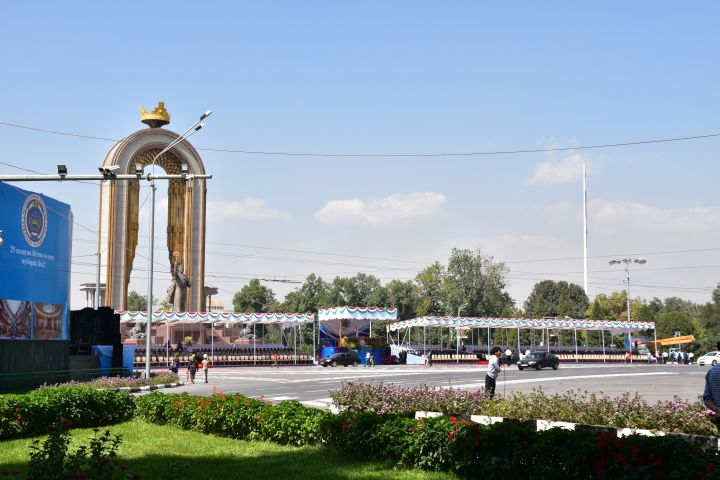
(177, 291)
(157, 118)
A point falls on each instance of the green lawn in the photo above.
(152, 450)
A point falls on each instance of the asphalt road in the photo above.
(311, 385)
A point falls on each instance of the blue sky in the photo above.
(393, 77)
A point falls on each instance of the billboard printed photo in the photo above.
(48, 321)
(15, 319)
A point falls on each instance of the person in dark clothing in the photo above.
(192, 367)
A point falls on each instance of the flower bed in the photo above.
(159, 378)
(35, 412)
(444, 443)
(627, 411)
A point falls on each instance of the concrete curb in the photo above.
(706, 443)
(147, 388)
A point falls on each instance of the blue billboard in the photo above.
(35, 255)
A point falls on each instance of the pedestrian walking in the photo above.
(690, 357)
(711, 395)
(275, 360)
(192, 367)
(367, 359)
(493, 371)
(176, 363)
(429, 359)
(206, 366)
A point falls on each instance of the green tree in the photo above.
(137, 302)
(310, 297)
(359, 290)
(667, 323)
(596, 311)
(476, 280)
(403, 296)
(553, 299)
(430, 290)
(254, 297)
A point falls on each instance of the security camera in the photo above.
(109, 170)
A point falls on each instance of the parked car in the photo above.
(538, 360)
(710, 358)
(343, 358)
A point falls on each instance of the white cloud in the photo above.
(612, 216)
(555, 172)
(249, 208)
(384, 212)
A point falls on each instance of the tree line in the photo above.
(474, 284)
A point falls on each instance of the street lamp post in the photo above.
(627, 262)
(457, 335)
(150, 176)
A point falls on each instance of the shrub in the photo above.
(35, 412)
(292, 423)
(626, 411)
(157, 378)
(97, 460)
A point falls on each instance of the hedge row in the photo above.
(625, 411)
(34, 413)
(236, 416)
(445, 443)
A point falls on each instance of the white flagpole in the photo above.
(585, 231)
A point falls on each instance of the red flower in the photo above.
(623, 460)
(123, 466)
(709, 468)
(450, 436)
(599, 464)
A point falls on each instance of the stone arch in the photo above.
(119, 208)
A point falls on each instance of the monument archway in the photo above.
(119, 209)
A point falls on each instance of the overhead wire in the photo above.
(514, 151)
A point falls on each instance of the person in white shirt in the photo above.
(492, 372)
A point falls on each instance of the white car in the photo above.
(710, 358)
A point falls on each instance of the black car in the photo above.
(343, 358)
(538, 360)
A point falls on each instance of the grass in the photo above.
(164, 452)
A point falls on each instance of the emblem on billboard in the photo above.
(34, 220)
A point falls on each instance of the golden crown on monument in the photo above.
(156, 118)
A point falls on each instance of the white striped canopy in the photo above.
(529, 323)
(127, 316)
(357, 313)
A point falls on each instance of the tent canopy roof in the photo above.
(528, 323)
(357, 313)
(127, 316)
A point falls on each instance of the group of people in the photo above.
(195, 363)
(677, 357)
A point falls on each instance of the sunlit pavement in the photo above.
(311, 384)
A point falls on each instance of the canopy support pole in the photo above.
(212, 342)
(295, 342)
(518, 342)
(167, 333)
(657, 357)
(630, 338)
(547, 330)
(370, 334)
(424, 341)
(313, 340)
(577, 359)
(457, 344)
(488, 351)
(254, 346)
(603, 345)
